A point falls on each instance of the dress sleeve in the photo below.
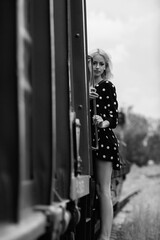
(112, 107)
(109, 108)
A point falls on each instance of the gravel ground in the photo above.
(146, 180)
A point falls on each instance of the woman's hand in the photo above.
(97, 120)
(92, 93)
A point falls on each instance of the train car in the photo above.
(47, 186)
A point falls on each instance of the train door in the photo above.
(73, 158)
(73, 163)
(80, 84)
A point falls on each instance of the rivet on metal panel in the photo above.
(80, 106)
(77, 35)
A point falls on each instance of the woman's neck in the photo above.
(97, 79)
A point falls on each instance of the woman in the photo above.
(106, 157)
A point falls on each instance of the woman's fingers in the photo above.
(97, 119)
(92, 93)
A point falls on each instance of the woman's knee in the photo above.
(103, 190)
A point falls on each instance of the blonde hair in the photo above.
(107, 74)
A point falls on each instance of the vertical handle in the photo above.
(95, 127)
(92, 87)
(78, 160)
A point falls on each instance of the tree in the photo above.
(135, 133)
(154, 147)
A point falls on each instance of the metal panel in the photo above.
(78, 59)
(9, 169)
(63, 144)
(71, 90)
(79, 186)
(42, 101)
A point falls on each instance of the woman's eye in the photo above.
(100, 63)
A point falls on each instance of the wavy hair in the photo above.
(107, 74)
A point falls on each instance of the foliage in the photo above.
(153, 149)
(145, 225)
(142, 143)
(135, 132)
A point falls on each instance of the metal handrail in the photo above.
(94, 94)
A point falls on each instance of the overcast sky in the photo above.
(129, 30)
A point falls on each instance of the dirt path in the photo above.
(146, 180)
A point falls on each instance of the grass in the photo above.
(144, 225)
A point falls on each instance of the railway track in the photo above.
(120, 205)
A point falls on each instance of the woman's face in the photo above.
(98, 65)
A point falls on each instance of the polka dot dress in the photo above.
(107, 108)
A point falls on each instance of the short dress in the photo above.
(107, 108)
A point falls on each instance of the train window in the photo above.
(34, 97)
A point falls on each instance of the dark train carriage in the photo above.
(44, 150)
(47, 187)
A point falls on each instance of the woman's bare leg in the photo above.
(103, 174)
